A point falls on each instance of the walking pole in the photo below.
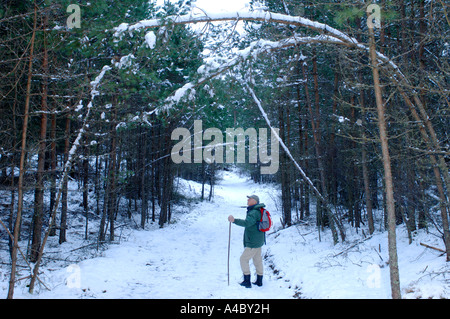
(228, 264)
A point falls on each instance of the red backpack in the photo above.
(266, 221)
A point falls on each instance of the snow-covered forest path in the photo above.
(186, 259)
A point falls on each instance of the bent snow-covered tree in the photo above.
(327, 35)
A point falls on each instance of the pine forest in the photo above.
(138, 123)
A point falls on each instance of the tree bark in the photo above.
(112, 175)
(39, 189)
(53, 168)
(284, 173)
(365, 169)
(144, 205)
(166, 180)
(86, 188)
(22, 163)
(13, 166)
(63, 221)
(302, 188)
(390, 205)
(333, 184)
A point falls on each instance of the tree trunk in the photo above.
(39, 190)
(302, 188)
(316, 134)
(412, 193)
(365, 169)
(63, 221)
(86, 189)
(106, 186)
(166, 181)
(423, 210)
(333, 188)
(306, 166)
(97, 179)
(112, 174)
(13, 165)
(153, 172)
(211, 180)
(22, 164)
(284, 173)
(53, 168)
(390, 205)
(144, 205)
(203, 169)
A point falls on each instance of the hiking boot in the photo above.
(258, 281)
(246, 283)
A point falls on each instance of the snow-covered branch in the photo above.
(334, 36)
(283, 145)
(329, 35)
(215, 66)
(94, 92)
(258, 15)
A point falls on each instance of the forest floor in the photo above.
(187, 259)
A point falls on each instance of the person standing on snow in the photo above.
(253, 240)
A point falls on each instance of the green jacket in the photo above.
(253, 238)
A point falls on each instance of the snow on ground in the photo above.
(358, 269)
(188, 258)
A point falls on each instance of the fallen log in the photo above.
(431, 247)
